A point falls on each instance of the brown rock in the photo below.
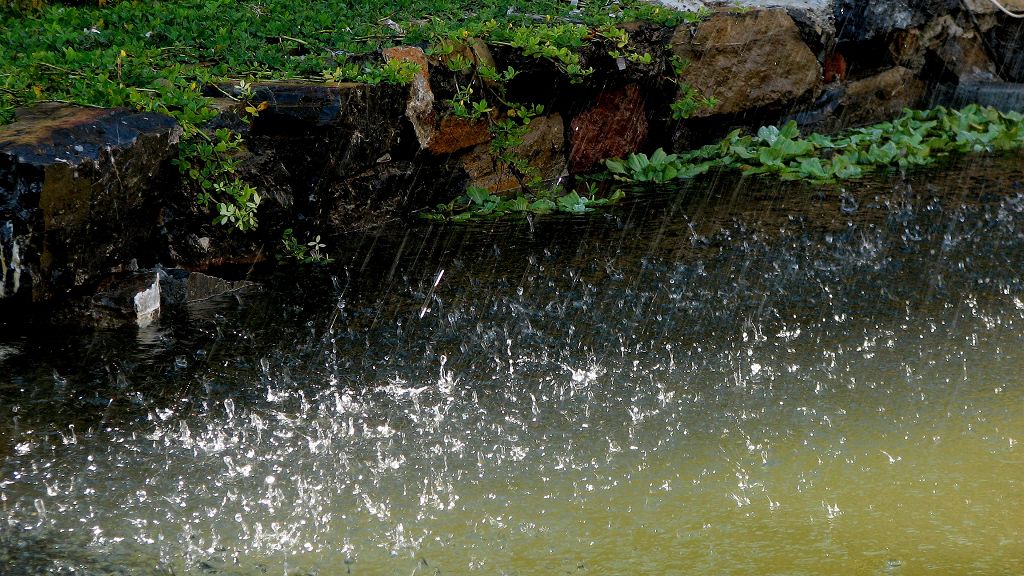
(454, 133)
(481, 53)
(965, 57)
(419, 108)
(884, 94)
(906, 48)
(959, 49)
(436, 134)
(877, 98)
(543, 147)
(746, 60)
(615, 125)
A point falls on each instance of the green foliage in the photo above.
(399, 72)
(303, 253)
(688, 100)
(479, 204)
(659, 168)
(916, 138)
(211, 161)
(559, 44)
(162, 55)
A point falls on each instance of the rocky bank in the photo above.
(89, 200)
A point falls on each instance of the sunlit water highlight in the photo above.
(739, 380)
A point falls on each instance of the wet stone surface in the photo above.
(79, 195)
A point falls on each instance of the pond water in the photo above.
(748, 377)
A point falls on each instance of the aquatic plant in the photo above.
(479, 204)
(916, 138)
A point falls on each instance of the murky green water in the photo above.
(744, 379)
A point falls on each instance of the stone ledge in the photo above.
(80, 194)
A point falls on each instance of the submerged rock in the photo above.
(79, 195)
(180, 286)
(127, 298)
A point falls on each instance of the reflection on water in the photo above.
(737, 380)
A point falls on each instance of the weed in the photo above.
(303, 253)
(688, 100)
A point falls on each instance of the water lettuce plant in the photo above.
(479, 204)
(916, 138)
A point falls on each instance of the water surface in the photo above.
(745, 377)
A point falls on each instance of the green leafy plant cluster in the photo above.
(688, 100)
(508, 122)
(479, 204)
(659, 168)
(916, 138)
(390, 72)
(303, 252)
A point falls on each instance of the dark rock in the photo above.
(963, 57)
(127, 298)
(388, 191)
(1005, 43)
(747, 60)
(299, 150)
(613, 126)
(861, 20)
(816, 29)
(180, 286)
(79, 195)
(945, 48)
(873, 99)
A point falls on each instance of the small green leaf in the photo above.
(615, 166)
(477, 195)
